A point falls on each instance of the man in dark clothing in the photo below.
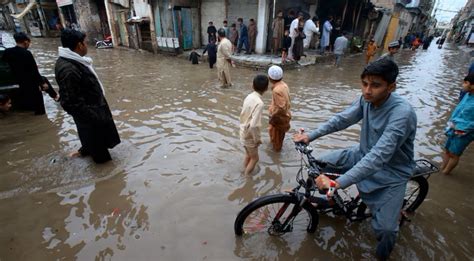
(211, 32)
(82, 96)
(211, 50)
(289, 18)
(243, 37)
(26, 74)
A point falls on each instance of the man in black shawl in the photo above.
(26, 74)
(82, 96)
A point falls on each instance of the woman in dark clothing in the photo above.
(298, 45)
(82, 96)
(211, 50)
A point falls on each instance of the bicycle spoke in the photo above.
(412, 191)
(272, 219)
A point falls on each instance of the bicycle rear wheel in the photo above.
(276, 215)
(415, 194)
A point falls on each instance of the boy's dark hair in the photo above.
(315, 18)
(4, 98)
(225, 21)
(70, 38)
(469, 78)
(251, 20)
(21, 37)
(233, 25)
(221, 32)
(240, 20)
(385, 68)
(260, 83)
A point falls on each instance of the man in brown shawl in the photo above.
(252, 34)
(280, 114)
(278, 28)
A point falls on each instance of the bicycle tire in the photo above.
(272, 200)
(421, 188)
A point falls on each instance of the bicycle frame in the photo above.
(335, 202)
(303, 198)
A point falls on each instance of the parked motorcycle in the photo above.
(106, 43)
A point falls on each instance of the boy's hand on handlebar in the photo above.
(324, 183)
(301, 137)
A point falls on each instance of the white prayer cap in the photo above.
(275, 73)
(394, 44)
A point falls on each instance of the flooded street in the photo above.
(175, 186)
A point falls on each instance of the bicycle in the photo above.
(282, 213)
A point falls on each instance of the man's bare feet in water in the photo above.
(75, 154)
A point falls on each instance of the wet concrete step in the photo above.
(264, 61)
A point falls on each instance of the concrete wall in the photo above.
(405, 23)
(88, 19)
(211, 10)
(141, 8)
(245, 9)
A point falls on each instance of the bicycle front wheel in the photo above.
(276, 215)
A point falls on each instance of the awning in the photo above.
(25, 11)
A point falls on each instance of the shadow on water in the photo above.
(174, 187)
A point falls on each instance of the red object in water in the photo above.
(115, 212)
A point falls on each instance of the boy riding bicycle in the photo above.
(383, 162)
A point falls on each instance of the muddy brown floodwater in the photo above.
(174, 187)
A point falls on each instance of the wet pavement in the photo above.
(174, 187)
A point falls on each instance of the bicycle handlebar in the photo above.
(307, 150)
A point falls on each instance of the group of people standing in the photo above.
(81, 93)
(239, 34)
(292, 34)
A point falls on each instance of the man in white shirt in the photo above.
(327, 28)
(310, 28)
(293, 33)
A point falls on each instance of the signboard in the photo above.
(63, 2)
